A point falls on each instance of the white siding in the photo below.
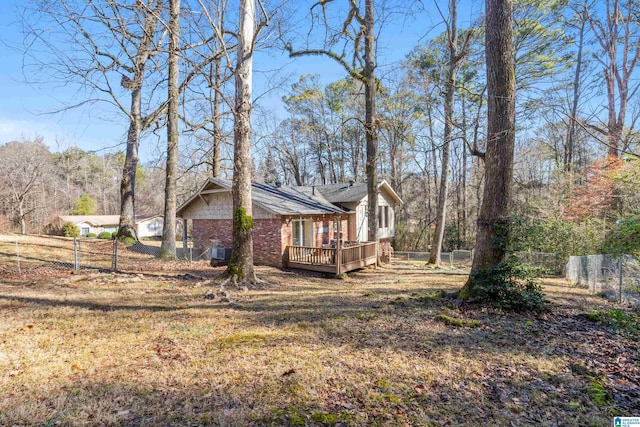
(362, 217)
(151, 227)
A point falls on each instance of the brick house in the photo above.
(285, 216)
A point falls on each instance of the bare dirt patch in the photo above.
(135, 349)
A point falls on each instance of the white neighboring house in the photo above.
(95, 224)
(146, 225)
(149, 226)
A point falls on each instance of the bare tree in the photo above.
(618, 34)
(582, 17)
(359, 29)
(22, 169)
(493, 219)
(455, 56)
(103, 48)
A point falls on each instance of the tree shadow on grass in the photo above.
(92, 305)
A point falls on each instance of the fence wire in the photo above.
(453, 257)
(26, 253)
(617, 277)
(548, 261)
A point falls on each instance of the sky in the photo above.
(25, 109)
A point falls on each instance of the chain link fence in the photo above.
(26, 253)
(550, 262)
(453, 257)
(616, 277)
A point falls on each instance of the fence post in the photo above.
(620, 279)
(114, 263)
(76, 263)
(451, 258)
(18, 256)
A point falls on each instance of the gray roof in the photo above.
(295, 200)
(279, 200)
(351, 192)
(343, 192)
(285, 200)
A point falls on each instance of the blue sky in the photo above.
(24, 108)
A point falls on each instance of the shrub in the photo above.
(114, 235)
(625, 238)
(557, 236)
(105, 235)
(510, 285)
(128, 241)
(91, 235)
(70, 230)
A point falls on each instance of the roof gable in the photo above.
(350, 192)
(279, 200)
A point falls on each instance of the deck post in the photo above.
(184, 236)
(339, 248)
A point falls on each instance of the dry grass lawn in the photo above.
(376, 349)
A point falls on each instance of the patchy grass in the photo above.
(103, 349)
(457, 322)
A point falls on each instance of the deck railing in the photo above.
(324, 259)
(311, 255)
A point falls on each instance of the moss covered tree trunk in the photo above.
(493, 220)
(241, 263)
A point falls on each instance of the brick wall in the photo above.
(267, 235)
(270, 236)
(267, 241)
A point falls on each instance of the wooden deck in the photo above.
(332, 260)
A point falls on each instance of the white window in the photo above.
(383, 217)
(302, 232)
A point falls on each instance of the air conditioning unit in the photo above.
(220, 256)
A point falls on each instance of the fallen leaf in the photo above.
(289, 372)
(419, 389)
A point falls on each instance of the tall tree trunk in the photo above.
(241, 263)
(126, 227)
(493, 219)
(452, 67)
(168, 246)
(369, 122)
(128, 184)
(217, 129)
(571, 131)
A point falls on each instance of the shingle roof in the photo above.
(285, 200)
(343, 192)
(279, 200)
(101, 220)
(352, 191)
(92, 219)
(290, 200)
